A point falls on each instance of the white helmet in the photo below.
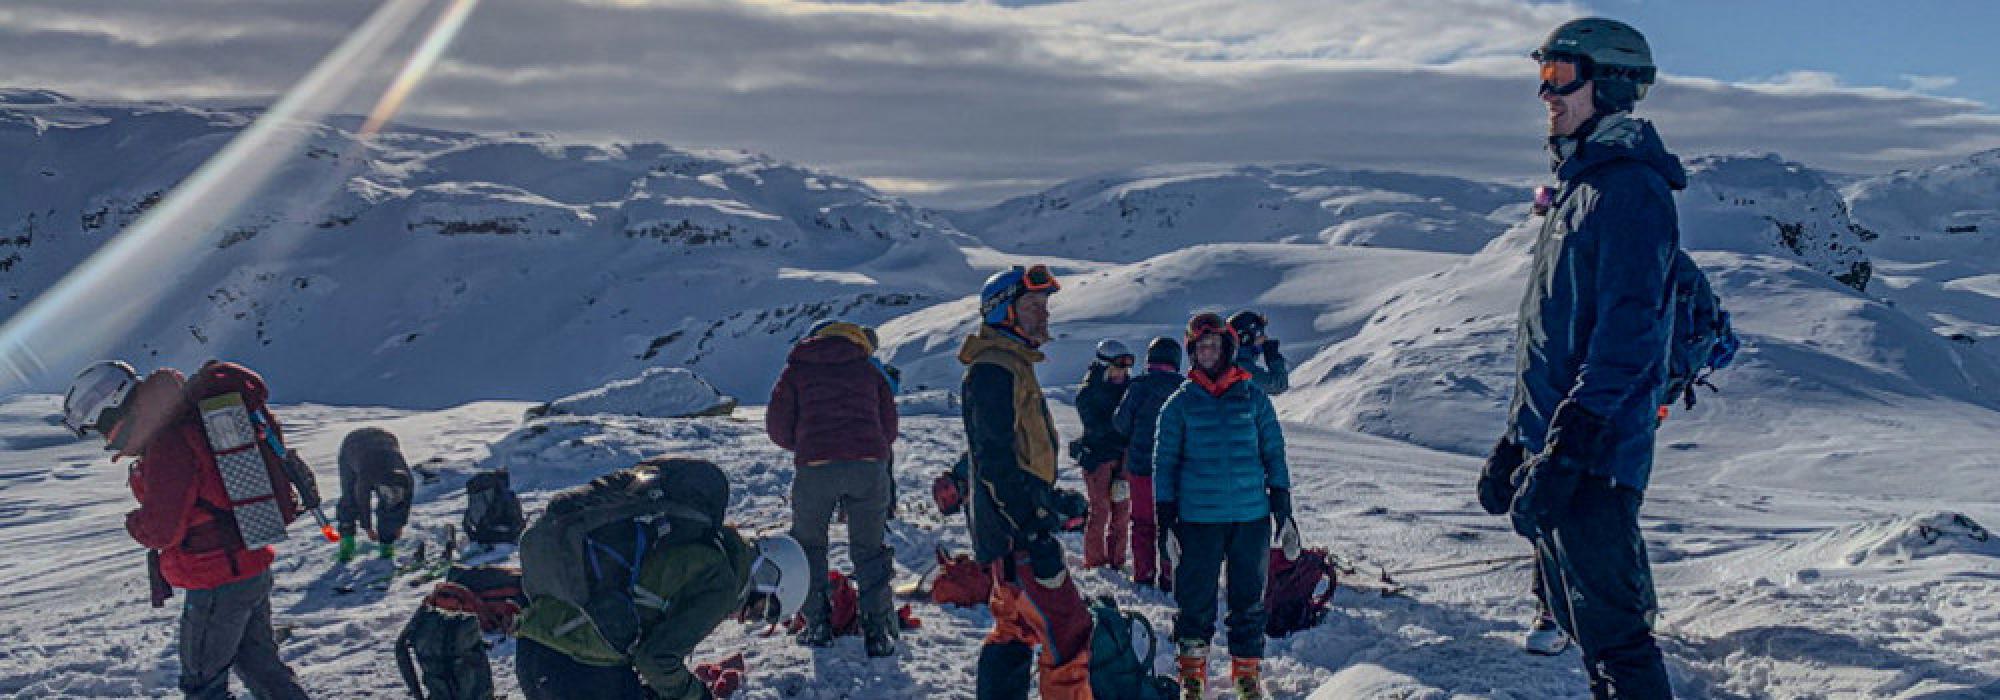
(780, 571)
(1111, 349)
(99, 388)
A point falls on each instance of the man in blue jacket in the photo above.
(1592, 353)
(1221, 483)
(1138, 416)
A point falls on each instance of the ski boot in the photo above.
(880, 643)
(1545, 638)
(385, 551)
(1193, 663)
(817, 635)
(1247, 678)
(345, 553)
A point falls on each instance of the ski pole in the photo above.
(325, 528)
(1463, 564)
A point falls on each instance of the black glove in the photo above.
(1281, 507)
(1576, 441)
(1168, 514)
(1077, 453)
(1045, 557)
(1270, 346)
(1496, 479)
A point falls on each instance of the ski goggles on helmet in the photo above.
(1125, 361)
(1037, 278)
(1562, 75)
(1207, 324)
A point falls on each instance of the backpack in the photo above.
(492, 511)
(1117, 672)
(586, 548)
(949, 488)
(843, 603)
(961, 581)
(446, 635)
(450, 655)
(1292, 599)
(1702, 341)
(268, 486)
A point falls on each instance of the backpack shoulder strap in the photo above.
(406, 665)
(1152, 639)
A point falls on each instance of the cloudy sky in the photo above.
(963, 103)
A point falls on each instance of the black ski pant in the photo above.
(547, 674)
(1207, 549)
(229, 627)
(861, 489)
(1600, 586)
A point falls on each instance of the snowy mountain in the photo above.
(1802, 523)
(426, 268)
(1938, 255)
(1136, 214)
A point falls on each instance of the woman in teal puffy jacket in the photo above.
(1220, 480)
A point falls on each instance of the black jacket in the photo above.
(1096, 403)
(372, 467)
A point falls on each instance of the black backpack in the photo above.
(442, 650)
(450, 653)
(492, 511)
(1117, 672)
(1703, 340)
(587, 547)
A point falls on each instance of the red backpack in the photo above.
(1292, 598)
(961, 581)
(244, 493)
(249, 451)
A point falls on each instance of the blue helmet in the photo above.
(996, 299)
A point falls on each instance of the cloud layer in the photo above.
(963, 103)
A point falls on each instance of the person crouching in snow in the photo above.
(1101, 451)
(1222, 486)
(372, 468)
(835, 411)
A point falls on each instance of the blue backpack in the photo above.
(1116, 670)
(1703, 340)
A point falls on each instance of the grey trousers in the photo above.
(861, 490)
(230, 627)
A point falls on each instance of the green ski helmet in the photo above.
(1611, 53)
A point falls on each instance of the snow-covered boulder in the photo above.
(659, 392)
(1367, 680)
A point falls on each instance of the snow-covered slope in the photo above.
(1313, 295)
(1768, 206)
(1136, 214)
(1766, 592)
(428, 268)
(1434, 365)
(1938, 255)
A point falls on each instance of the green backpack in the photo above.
(586, 548)
(1116, 670)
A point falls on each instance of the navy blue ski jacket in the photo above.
(1595, 320)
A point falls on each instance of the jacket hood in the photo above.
(990, 338)
(827, 350)
(1619, 137)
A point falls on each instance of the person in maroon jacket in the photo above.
(226, 620)
(835, 411)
